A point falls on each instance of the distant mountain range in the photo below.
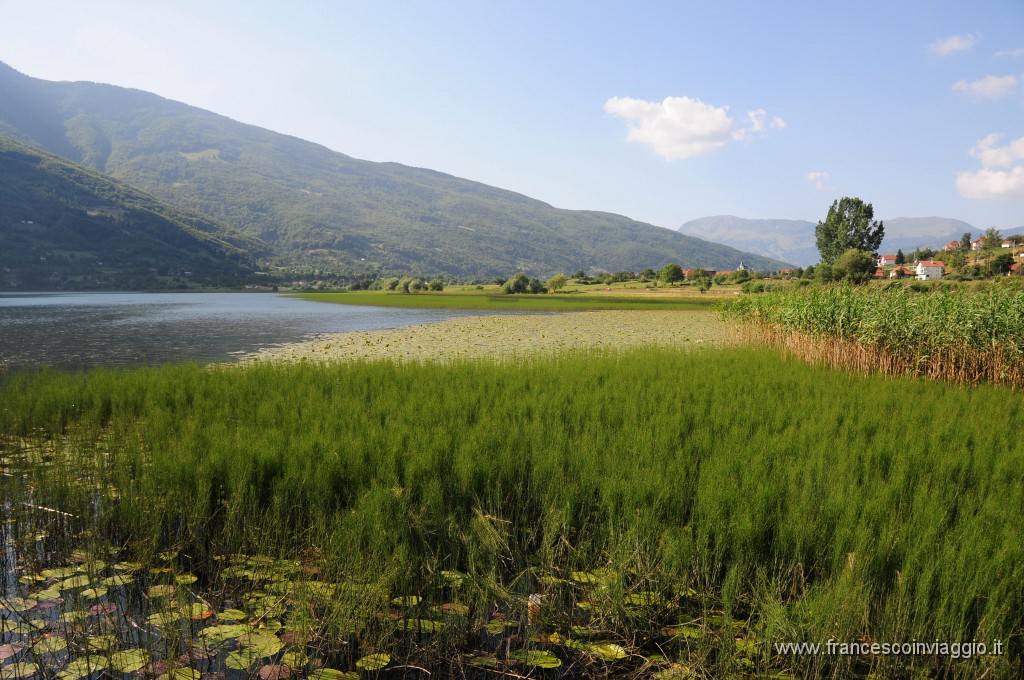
(794, 240)
(305, 206)
(65, 227)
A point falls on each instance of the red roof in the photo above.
(931, 263)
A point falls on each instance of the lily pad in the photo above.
(18, 604)
(9, 650)
(232, 615)
(163, 618)
(79, 581)
(583, 577)
(406, 600)
(18, 671)
(607, 651)
(264, 644)
(643, 599)
(242, 660)
(128, 566)
(180, 674)
(102, 608)
(58, 572)
(50, 645)
(332, 674)
(101, 643)
(373, 662)
(295, 659)
(129, 660)
(275, 672)
(162, 590)
(186, 579)
(93, 593)
(118, 580)
(454, 579)
(537, 658)
(73, 616)
(225, 632)
(82, 667)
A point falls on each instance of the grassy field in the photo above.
(490, 298)
(640, 513)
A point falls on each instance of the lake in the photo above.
(82, 330)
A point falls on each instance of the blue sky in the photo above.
(662, 111)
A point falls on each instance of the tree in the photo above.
(518, 283)
(670, 273)
(556, 282)
(703, 283)
(993, 238)
(1000, 264)
(854, 265)
(965, 241)
(849, 224)
(900, 257)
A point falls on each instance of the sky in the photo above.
(661, 111)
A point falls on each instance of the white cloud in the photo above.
(1001, 174)
(989, 86)
(819, 180)
(681, 127)
(1019, 52)
(952, 45)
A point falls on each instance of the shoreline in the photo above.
(500, 337)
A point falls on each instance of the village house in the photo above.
(930, 269)
(885, 260)
(900, 272)
(951, 246)
(978, 244)
(1006, 244)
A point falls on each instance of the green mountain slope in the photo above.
(64, 227)
(317, 207)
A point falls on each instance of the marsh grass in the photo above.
(948, 334)
(668, 512)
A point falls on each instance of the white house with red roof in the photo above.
(951, 246)
(978, 244)
(885, 260)
(1006, 244)
(929, 269)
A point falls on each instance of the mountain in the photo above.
(64, 227)
(794, 240)
(781, 239)
(319, 208)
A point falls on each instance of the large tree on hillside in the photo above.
(849, 224)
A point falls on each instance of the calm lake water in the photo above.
(81, 330)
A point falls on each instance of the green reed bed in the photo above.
(641, 513)
(950, 334)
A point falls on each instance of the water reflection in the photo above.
(81, 330)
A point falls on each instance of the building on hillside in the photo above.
(1006, 244)
(929, 269)
(900, 272)
(978, 244)
(785, 272)
(879, 274)
(951, 246)
(885, 260)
